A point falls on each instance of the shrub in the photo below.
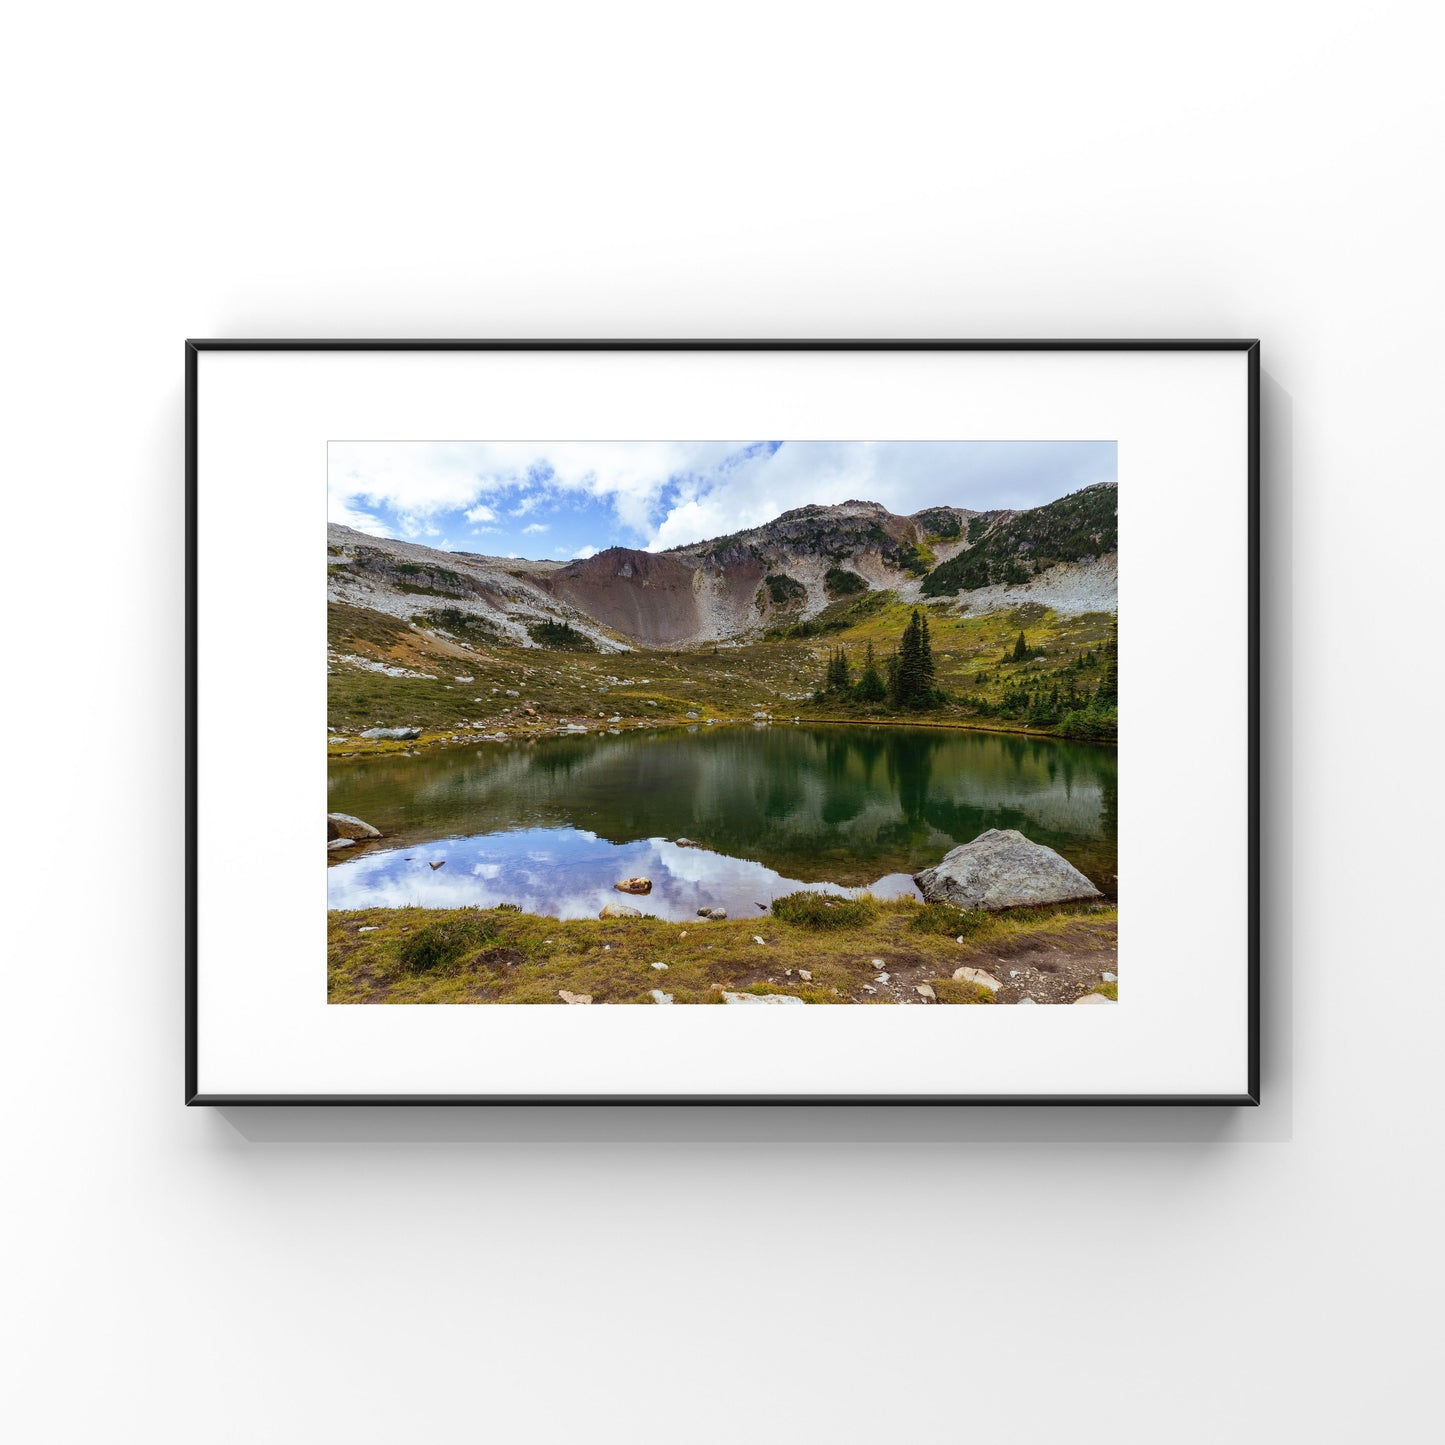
(944, 918)
(840, 582)
(784, 590)
(824, 910)
(442, 941)
(961, 990)
(560, 635)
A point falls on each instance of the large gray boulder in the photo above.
(399, 734)
(1003, 869)
(343, 825)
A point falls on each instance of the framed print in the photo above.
(723, 722)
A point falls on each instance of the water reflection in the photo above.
(567, 873)
(774, 806)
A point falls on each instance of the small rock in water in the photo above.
(573, 997)
(683, 842)
(336, 844)
(659, 997)
(634, 885)
(659, 965)
(435, 866)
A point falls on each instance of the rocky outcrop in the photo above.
(1003, 869)
(399, 734)
(761, 998)
(343, 825)
(619, 910)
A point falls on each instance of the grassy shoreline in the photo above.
(458, 691)
(373, 747)
(501, 955)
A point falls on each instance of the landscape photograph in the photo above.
(742, 723)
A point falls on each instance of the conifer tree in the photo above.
(871, 687)
(1021, 649)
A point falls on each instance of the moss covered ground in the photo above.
(881, 954)
(469, 677)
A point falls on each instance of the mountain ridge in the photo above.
(723, 589)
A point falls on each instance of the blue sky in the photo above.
(570, 499)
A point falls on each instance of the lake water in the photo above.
(550, 825)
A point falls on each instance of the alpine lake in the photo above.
(550, 825)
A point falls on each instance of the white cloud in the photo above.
(710, 489)
(346, 516)
(582, 552)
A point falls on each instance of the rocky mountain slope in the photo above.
(784, 573)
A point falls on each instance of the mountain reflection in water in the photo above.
(551, 825)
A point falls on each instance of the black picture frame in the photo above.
(193, 1096)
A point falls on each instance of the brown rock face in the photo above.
(647, 596)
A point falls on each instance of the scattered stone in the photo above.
(868, 988)
(336, 844)
(619, 910)
(978, 976)
(1029, 1000)
(659, 965)
(465, 679)
(882, 978)
(369, 928)
(926, 989)
(511, 692)
(399, 733)
(573, 997)
(692, 715)
(1003, 869)
(805, 975)
(659, 997)
(686, 843)
(1093, 998)
(760, 998)
(756, 939)
(1109, 977)
(634, 885)
(343, 825)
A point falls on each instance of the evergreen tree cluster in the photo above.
(905, 679)
(1012, 549)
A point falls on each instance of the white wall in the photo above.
(760, 169)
